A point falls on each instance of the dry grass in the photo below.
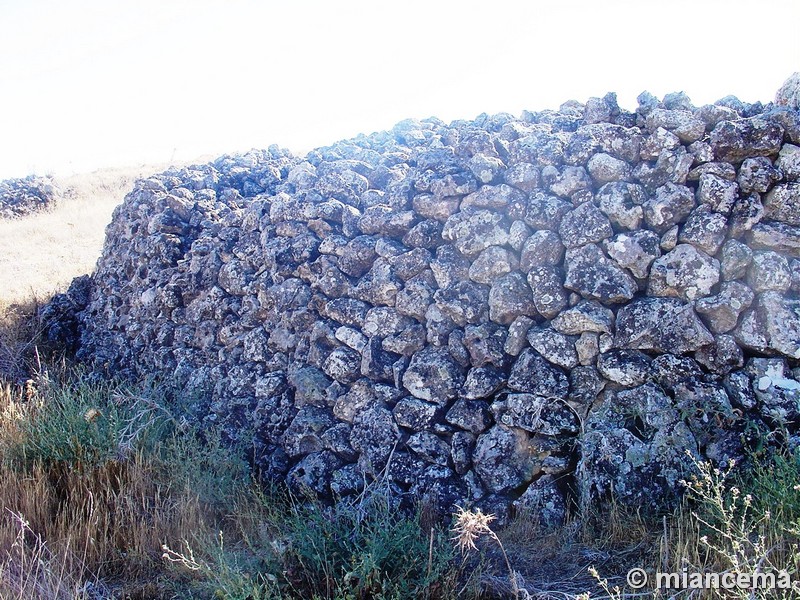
(41, 253)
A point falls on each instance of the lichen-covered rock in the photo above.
(433, 375)
(584, 225)
(594, 276)
(510, 298)
(504, 459)
(684, 272)
(721, 312)
(533, 374)
(666, 325)
(554, 346)
(586, 316)
(634, 251)
(734, 141)
(544, 501)
(771, 326)
(775, 236)
(547, 287)
(670, 206)
(782, 204)
(542, 249)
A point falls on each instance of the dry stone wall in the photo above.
(504, 312)
(26, 195)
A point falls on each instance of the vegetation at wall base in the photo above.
(107, 493)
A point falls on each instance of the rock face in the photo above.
(494, 311)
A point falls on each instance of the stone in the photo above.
(587, 348)
(594, 276)
(449, 267)
(416, 296)
(789, 162)
(554, 346)
(757, 175)
(775, 236)
(498, 197)
(721, 312)
(545, 212)
(722, 357)
(774, 326)
(682, 123)
(747, 212)
(543, 501)
(464, 302)
(777, 391)
(583, 225)
(660, 325)
(736, 258)
(789, 93)
(517, 337)
(486, 169)
(671, 167)
(429, 447)
(304, 434)
(437, 208)
(523, 176)
(566, 183)
(670, 206)
(310, 385)
(622, 204)
(425, 234)
(684, 272)
(415, 414)
(384, 220)
(670, 239)
(705, 230)
(782, 204)
(483, 382)
(533, 374)
(503, 459)
(627, 368)
(469, 415)
(734, 141)
(634, 251)
(462, 445)
(659, 140)
(410, 264)
(586, 316)
(604, 168)
(357, 256)
(433, 375)
(471, 233)
(536, 414)
(491, 264)
(343, 365)
(517, 234)
(547, 287)
(379, 286)
(485, 344)
(769, 271)
(510, 298)
(376, 423)
(313, 473)
(542, 249)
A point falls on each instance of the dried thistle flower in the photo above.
(470, 525)
(91, 415)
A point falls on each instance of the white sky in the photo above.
(93, 83)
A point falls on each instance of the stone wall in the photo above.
(505, 311)
(26, 195)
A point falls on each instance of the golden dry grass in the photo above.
(41, 253)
